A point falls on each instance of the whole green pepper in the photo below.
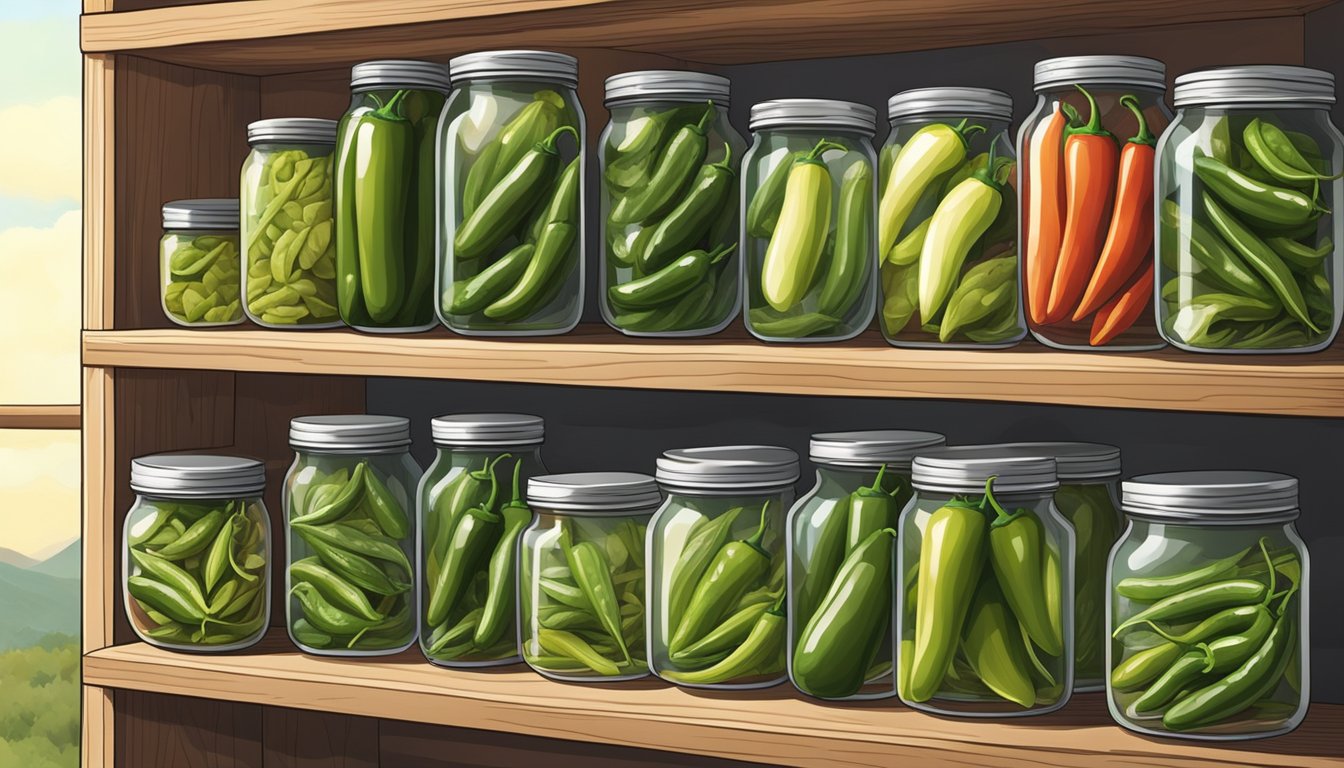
(593, 576)
(421, 218)
(1261, 202)
(1207, 249)
(951, 557)
(564, 203)
(325, 616)
(984, 290)
(960, 219)
(796, 246)
(995, 648)
(1204, 599)
(335, 589)
(1149, 588)
(196, 538)
(770, 324)
(736, 567)
(829, 548)
(688, 222)
(346, 499)
(702, 545)
(505, 206)
(354, 568)
(1275, 152)
(475, 293)
(669, 282)
(848, 270)
(680, 159)
(499, 600)
(355, 540)
(1016, 545)
(383, 507)
(871, 509)
(170, 575)
(1145, 666)
(1261, 258)
(474, 534)
(531, 124)
(1298, 255)
(682, 314)
(760, 654)
(569, 645)
(1184, 672)
(382, 156)
(1256, 677)
(554, 248)
(723, 639)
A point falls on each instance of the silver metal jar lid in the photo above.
(292, 130)
(399, 73)
(1073, 461)
(605, 493)
(1281, 85)
(350, 433)
(485, 429)
(964, 469)
(872, 448)
(516, 65)
(813, 113)
(984, 103)
(728, 468)
(197, 476)
(1134, 71)
(666, 85)
(205, 213)
(1211, 496)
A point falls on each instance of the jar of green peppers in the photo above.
(581, 575)
(717, 568)
(385, 204)
(196, 552)
(1249, 184)
(348, 506)
(1208, 607)
(472, 513)
(511, 192)
(840, 548)
(198, 263)
(670, 190)
(809, 228)
(984, 602)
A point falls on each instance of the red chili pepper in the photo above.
(1044, 211)
(1123, 309)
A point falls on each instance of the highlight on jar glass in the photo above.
(947, 221)
(1249, 182)
(348, 502)
(288, 233)
(841, 578)
(198, 262)
(1086, 180)
(510, 253)
(581, 577)
(472, 513)
(195, 563)
(984, 610)
(670, 205)
(717, 566)
(385, 214)
(809, 220)
(1208, 607)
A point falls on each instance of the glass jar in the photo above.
(287, 229)
(581, 576)
(717, 566)
(669, 233)
(472, 511)
(510, 206)
(984, 605)
(385, 157)
(941, 140)
(847, 650)
(1208, 607)
(1247, 181)
(809, 173)
(348, 516)
(198, 262)
(196, 551)
(1088, 271)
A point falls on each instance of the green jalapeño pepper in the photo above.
(951, 558)
(850, 263)
(959, 221)
(760, 654)
(473, 536)
(668, 282)
(934, 150)
(1262, 259)
(871, 508)
(529, 294)
(687, 224)
(737, 567)
(994, 646)
(1016, 545)
(704, 542)
(1261, 202)
(382, 159)
(682, 156)
(474, 294)
(1256, 677)
(795, 247)
(505, 206)
(593, 575)
(500, 598)
(828, 554)
(531, 124)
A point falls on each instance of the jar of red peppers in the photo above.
(1086, 180)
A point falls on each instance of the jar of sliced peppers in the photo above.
(198, 263)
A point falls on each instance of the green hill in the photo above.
(34, 605)
(63, 564)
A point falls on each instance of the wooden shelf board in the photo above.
(39, 417)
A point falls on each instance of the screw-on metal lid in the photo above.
(872, 448)
(468, 429)
(729, 468)
(1211, 496)
(205, 213)
(1279, 85)
(814, 113)
(516, 65)
(962, 102)
(1073, 461)
(964, 469)
(350, 433)
(1130, 71)
(197, 476)
(604, 493)
(399, 73)
(666, 85)
(292, 130)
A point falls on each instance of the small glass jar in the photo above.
(350, 523)
(984, 605)
(386, 282)
(287, 227)
(809, 228)
(198, 263)
(1208, 607)
(581, 576)
(847, 650)
(669, 233)
(511, 196)
(942, 140)
(717, 566)
(472, 512)
(1248, 178)
(1088, 277)
(196, 552)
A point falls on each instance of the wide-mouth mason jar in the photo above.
(809, 230)
(947, 221)
(840, 550)
(196, 556)
(717, 566)
(581, 576)
(984, 605)
(1085, 178)
(198, 263)
(349, 517)
(385, 210)
(511, 196)
(669, 204)
(472, 512)
(1208, 607)
(1248, 188)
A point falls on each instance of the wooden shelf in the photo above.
(39, 417)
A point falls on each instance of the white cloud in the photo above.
(40, 153)
(39, 489)
(39, 312)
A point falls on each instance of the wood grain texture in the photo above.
(99, 172)
(175, 732)
(39, 417)
(294, 738)
(97, 740)
(98, 533)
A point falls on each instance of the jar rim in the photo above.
(353, 432)
(384, 73)
(813, 113)
(1074, 460)
(614, 494)
(291, 130)
(193, 475)
(487, 429)
(207, 213)
(1277, 85)
(728, 468)
(1226, 496)
(1127, 71)
(966, 469)
(871, 448)
(548, 66)
(666, 85)
(958, 101)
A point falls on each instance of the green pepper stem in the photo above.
(1144, 136)
(389, 110)
(494, 492)
(702, 127)
(547, 144)
(1093, 126)
(727, 157)
(877, 482)
(1162, 634)
(755, 540)
(1070, 113)
(1273, 572)
(721, 253)
(488, 467)
(816, 152)
(1002, 516)
(517, 499)
(987, 174)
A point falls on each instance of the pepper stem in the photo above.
(755, 540)
(1273, 572)
(547, 144)
(1070, 113)
(721, 253)
(1002, 516)
(727, 156)
(489, 466)
(1144, 136)
(817, 151)
(1093, 126)
(702, 127)
(877, 482)
(494, 492)
(517, 499)
(389, 110)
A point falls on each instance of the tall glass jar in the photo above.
(984, 606)
(472, 513)
(581, 576)
(670, 205)
(1085, 177)
(937, 176)
(385, 215)
(511, 192)
(809, 230)
(717, 566)
(198, 263)
(841, 639)
(196, 552)
(348, 504)
(1249, 185)
(1208, 607)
